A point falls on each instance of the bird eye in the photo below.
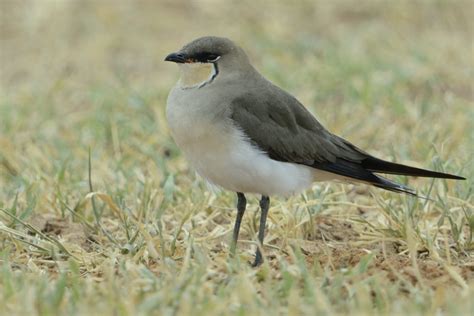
(205, 57)
(212, 58)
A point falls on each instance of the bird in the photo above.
(244, 134)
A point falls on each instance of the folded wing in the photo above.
(281, 126)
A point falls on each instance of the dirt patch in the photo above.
(64, 229)
(336, 244)
(330, 229)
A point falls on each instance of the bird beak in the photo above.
(176, 58)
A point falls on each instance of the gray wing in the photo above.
(280, 126)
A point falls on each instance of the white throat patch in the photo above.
(196, 75)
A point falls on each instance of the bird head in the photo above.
(203, 59)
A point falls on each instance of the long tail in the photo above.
(386, 184)
(364, 172)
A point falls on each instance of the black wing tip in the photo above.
(357, 172)
(436, 174)
(454, 177)
(382, 166)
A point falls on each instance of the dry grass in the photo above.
(141, 235)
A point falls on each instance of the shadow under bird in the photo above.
(244, 134)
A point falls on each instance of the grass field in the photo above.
(101, 215)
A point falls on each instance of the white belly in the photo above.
(221, 153)
(234, 164)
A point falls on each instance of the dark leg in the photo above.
(241, 204)
(264, 205)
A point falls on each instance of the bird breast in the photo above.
(220, 152)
